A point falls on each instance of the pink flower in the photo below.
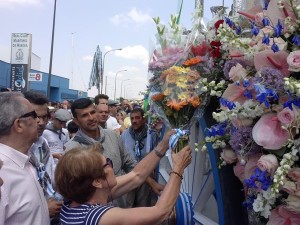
(251, 165)
(293, 204)
(235, 93)
(294, 174)
(291, 188)
(276, 60)
(281, 216)
(268, 163)
(237, 72)
(286, 116)
(294, 61)
(228, 155)
(239, 172)
(267, 132)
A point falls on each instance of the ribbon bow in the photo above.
(175, 137)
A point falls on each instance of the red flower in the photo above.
(215, 53)
(200, 50)
(215, 44)
(217, 24)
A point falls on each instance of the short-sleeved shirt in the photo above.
(85, 214)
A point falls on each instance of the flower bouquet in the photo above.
(176, 85)
(258, 119)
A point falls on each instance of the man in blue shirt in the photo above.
(139, 142)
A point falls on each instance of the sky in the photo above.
(83, 25)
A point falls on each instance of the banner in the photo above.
(20, 61)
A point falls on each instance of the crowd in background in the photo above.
(119, 127)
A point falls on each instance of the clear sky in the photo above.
(81, 25)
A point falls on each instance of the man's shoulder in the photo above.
(72, 144)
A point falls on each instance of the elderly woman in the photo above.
(86, 178)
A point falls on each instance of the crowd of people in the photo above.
(82, 162)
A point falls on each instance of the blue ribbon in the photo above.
(175, 137)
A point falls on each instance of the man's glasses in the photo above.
(30, 114)
(108, 163)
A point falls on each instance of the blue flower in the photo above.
(266, 39)
(248, 94)
(296, 40)
(265, 21)
(230, 105)
(259, 177)
(266, 4)
(238, 30)
(229, 22)
(254, 29)
(275, 47)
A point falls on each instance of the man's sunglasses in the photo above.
(30, 114)
(108, 163)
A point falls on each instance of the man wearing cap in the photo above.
(56, 134)
(112, 122)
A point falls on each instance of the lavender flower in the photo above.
(270, 77)
(241, 141)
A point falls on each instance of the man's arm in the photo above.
(128, 163)
(156, 187)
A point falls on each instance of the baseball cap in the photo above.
(112, 102)
(63, 115)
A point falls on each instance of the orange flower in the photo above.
(173, 104)
(192, 61)
(158, 97)
(194, 101)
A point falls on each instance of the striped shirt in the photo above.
(84, 214)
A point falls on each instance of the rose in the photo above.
(293, 203)
(293, 61)
(268, 163)
(286, 116)
(294, 174)
(258, 18)
(281, 216)
(267, 132)
(237, 72)
(228, 155)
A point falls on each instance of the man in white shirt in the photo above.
(56, 134)
(22, 200)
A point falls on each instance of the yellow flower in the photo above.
(183, 95)
(179, 69)
(182, 79)
(168, 91)
(181, 84)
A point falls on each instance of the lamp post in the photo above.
(51, 53)
(122, 86)
(125, 89)
(116, 82)
(102, 71)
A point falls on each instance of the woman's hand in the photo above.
(181, 159)
(165, 141)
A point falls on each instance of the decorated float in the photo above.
(231, 89)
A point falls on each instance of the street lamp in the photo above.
(128, 85)
(102, 71)
(116, 82)
(51, 53)
(122, 86)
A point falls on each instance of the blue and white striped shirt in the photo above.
(84, 214)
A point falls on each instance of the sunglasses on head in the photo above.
(30, 114)
(108, 163)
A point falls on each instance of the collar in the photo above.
(17, 157)
(100, 139)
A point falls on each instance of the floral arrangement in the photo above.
(256, 80)
(176, 79)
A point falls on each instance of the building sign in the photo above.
(20, 61)
(35, 77)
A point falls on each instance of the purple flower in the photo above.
(270, 77)
(241, 138)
